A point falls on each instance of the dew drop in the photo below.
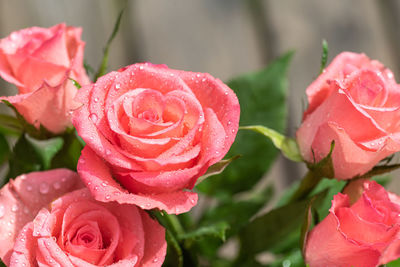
(96, 188)
(14, 208)
(141, 67)
(226, 92)
(108, 152)
(155, 260)
(23, 177)
(148, 205)
(108, 197)
(93, 117)
(44, 188)
(229, 122)
(104, 183)
(29, 188)
(233, 130)
(26, 210)
(117, 86)
(96, 99)
(2, 211)
(57, 185)
(192, 201)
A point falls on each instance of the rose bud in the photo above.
(39, 62)
(355, 103)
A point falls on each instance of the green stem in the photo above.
(307, 184)
(175, 224)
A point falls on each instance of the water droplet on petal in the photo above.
(96, 99)
(2, 211)
(108, 197)
(108, 152)
(57, 185)
(14, 208)
(141, 67)
(93, 117)
(22, 177)
(29, 188)
(26, 210)
(155, 260)
(44, 188)
(229, 122)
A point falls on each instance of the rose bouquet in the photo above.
(146, 166)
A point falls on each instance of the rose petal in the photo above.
(37, 106)
(95, 174)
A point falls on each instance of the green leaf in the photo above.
(68, 155)
(46, 149)
(104, 63)
(262, 96)
(217, 230)
(23, 159)
(287, 145)
(378, 170)
(4, 149)
(271, 230)
(395, 263)
(2, 264)
(10, 125)
(30, 155)
(75, 83)
(217, 168)
(324, 57)
(237, 213)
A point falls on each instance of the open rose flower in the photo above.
(150, 132)
(39, 62)
(355, 102)
(365, 234)
(49, 219)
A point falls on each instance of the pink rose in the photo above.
(356, 103)
(364, 234)
(39, 62)
(150, 132)
(49, 219)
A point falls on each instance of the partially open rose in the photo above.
(39, 62)
(150, 132)
(365, 234)
(49, 219)
(355, 102)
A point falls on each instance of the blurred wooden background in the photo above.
(224, 37)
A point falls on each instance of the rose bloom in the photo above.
(49, 219)
(364, 234)
(355, 102)
(39, 62)
(150, 132)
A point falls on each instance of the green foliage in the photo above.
(217, 168)
(287, 145)
(4, 149)
(262, 96)
(324, 57)
(75, 83)
(30, 154)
